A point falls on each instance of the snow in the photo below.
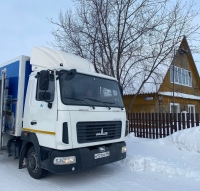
(178, 94)
(168, 164)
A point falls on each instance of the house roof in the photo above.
(155, 81)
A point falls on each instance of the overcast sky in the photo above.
(24, 24)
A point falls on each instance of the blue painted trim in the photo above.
(27, 73)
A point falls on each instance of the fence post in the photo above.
(134, 128)
(183, 120)
(150, 125)
(143, 126)
(146, 117)
(153, 125)
(163, 124)
(137, 129)
(175, 122)
(197, 119)
(171, 123)
(140, 126)
(192, 119)
(130, 122)
(156, 125)
(160, 124)
(167, 122)
(179, 121)
(188, 120)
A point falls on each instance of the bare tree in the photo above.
(126, 39)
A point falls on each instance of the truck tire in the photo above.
(32, 165)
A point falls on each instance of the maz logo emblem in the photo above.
(102, 149)
(102, 133)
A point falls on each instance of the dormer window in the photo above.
(181, 76)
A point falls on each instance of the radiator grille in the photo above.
(98, 131)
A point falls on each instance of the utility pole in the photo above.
(173, 81)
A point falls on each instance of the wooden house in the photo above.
(180, 93)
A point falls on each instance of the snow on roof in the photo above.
(42, 57)
(152, 85)
(181, 95)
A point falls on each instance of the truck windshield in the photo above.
(90, 90)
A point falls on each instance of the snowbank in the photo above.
(188, 139)
(168, 156)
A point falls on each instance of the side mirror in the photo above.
(70, 75)
(44, 80)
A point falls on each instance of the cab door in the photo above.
(43, 111)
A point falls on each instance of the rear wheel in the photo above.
(32, 165)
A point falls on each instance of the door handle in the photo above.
(33, 122)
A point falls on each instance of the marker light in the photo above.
(123, 149)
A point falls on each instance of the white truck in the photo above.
(57, 114)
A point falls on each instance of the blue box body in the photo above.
(17, 75)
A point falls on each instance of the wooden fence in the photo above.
(159, 125)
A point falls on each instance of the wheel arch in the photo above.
(29, 139)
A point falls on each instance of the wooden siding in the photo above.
(163, 106)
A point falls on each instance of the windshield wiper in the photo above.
(99, 101)
(80, 100)
(115, 104)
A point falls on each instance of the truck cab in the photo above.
(73, 118)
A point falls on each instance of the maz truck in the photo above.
(57, 114)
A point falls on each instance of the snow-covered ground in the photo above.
(169, 164)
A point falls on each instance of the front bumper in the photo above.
(85, 157)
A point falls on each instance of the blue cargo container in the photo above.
(17, 72)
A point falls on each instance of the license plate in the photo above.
(101, 155)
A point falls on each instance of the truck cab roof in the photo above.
(42, 57)
(46, 58)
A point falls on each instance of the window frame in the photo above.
(175, 104)
(38, 90)
(181, 76)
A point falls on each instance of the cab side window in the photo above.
(45, 86)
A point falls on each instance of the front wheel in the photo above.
(32, 165)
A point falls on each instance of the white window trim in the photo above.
(176, 75)
(175, 104)
(191, 105)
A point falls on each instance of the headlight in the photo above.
(64, 160)
(123, 149)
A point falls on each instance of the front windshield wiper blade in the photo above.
(115, 104)
(81, 100)
(99, 101)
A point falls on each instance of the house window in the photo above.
(190, 78)
(181, 76)
(187, 77)
(174, 108)
(176, 75)
(191, 109)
